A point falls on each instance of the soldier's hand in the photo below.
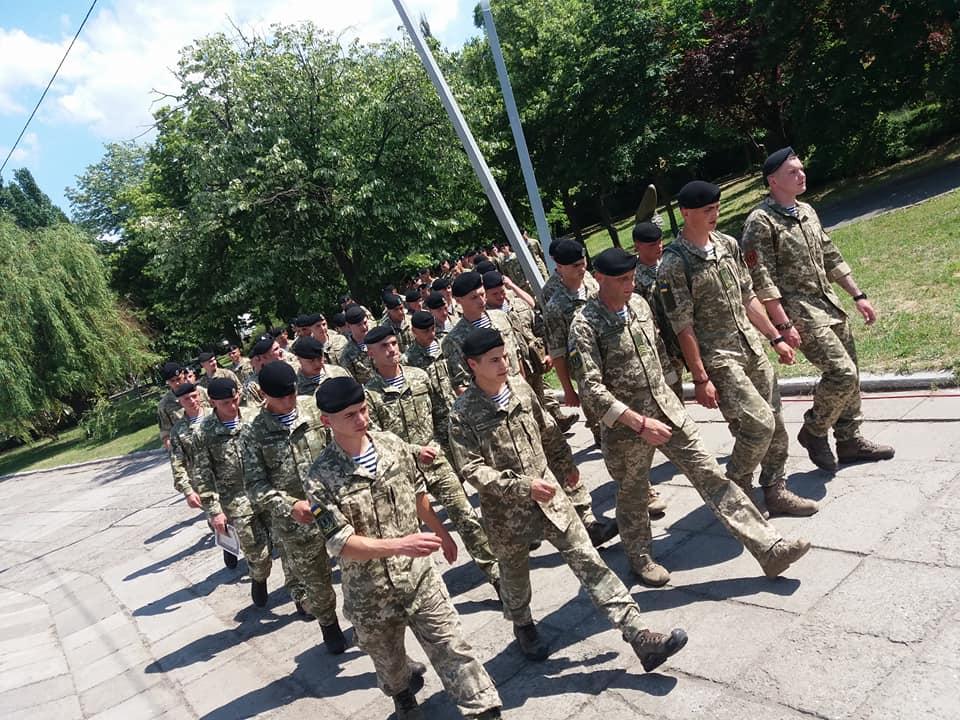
(572, 479)
(193, 500)
(547, 363)
(418, 544)
(542, 490)
(656, 432)
(427, 455)
(866, 309)
(785, 352)
(219, 522)
(706, 394)
(570, 398)
(301, 512)
(792, 336)
(166, 442)
(449, 548)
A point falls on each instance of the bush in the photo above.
(108, 419)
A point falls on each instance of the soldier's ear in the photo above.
(325, 420)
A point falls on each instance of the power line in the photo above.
(54, 77)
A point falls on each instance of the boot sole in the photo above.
(651, 661)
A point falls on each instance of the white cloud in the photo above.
(129, 46)
(27, 151)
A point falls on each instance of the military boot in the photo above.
(780, 501)
(229, 559)
(656, 505)
(653, 649)
(405, 704)
(302, 611)
(565, 422)
(333, 638)
(258, 592)
(860, 449)
(782, 555)
(491, 714)
(601, 532)
(596, 437)
(417, 671)
(818, 448)
(653, 574)
(530, 643)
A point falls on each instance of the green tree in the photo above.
(29, 207)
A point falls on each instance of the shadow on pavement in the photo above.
(127, 469)
(172, 601)
(169, 532)
(201, 543)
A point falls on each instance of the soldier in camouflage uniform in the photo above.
(278, 448)
(403, 401)
(437, 306)
(334, 343)
(369, 499)
(398, 319)
(219, 483)
(425, 353)
(241, 366)
(264, 352)
(619, 354)
(444, 286)
(354, 358)
(793, 263)
(513, 453)
(711, 316)
(169, 409)
(313, 366)
(212, 369)
(182, 441)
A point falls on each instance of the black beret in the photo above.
(466, 283)
(441, 283)
(481, 340)
(276, 331)
(343, 299)
(646, 232)
(232, 346)
(552, 249)
(354, 314)
(775, 160)
(278, 380)
(567, 252)
(338, 319)
(312, 319)
(221, 388)
(484, 266)
(308, 347)
(411, 295)
(379, 334)
(392, 301)
(435, 301)
(697, 193)
(205, 356)
(339, 393)
(262, 346)
(170, 370)
(492, 279)
(422, 320)
(614, 262)
(184, 389)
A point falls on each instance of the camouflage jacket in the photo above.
(435, 366)
(219, 373)
(290, 359)
(523, 320)
(558, 315)
(500, 452)
(551, 284)
(308, 386)
(183, 453)
(276, 461)
(452, 346)
(620, 364)
(349, 500)
(219, 468)
(243, 370)
(712, 303)
(645, 281)
(356, 361)
(169, 410)
(793, 258)
(403, 331)
(333, 348)
(252, 394)
(413, 412)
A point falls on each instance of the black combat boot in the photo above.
(530, 643)
(653, 649)
(405, 704)
(229, 559)
(333, 638)
(258, 591)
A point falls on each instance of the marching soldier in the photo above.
(354, 358)
(313, 366)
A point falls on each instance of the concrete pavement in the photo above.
(114, 604)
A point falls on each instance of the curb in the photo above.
(87, 463)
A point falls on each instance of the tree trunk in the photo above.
(569, 207)
(348, 269)
(666, 199)
(606, 219)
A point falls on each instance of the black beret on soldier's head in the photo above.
(614, 262)
(311, 319)
(441, 283)
(298, 321)
(411, 295)
(775, 160)
(466, 283)
(308, 347)
(646, 232)
(568, 252)
(205, 357)
(422, 320)
(379, 334)
(392, 301)
(184, 389)
(339, 393)
(338, 320)
(481, 340)
(697, 194)
(278, 380)
(344, 299)
(262, 347)
(484, 266)
(221, 389)
(492, 279)
(435, 301)
(354, 314)
(170, 370)
(276, 331)
(552, 249)
(232, 346)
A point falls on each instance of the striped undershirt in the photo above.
(482, 322)
(231, 424)
(793, 210)
(367, 459)
(319, 377)
(622, 313)
(287, 419)
(502, 398)
(395, 382)
(362, 346)
(434, 348)
(582, 292)
(194, 420)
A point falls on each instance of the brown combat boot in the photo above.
(860, 449)
(818, 448)
(780, 501)
(656, 505)
(653, 574)
(653, 649)
(782, 555)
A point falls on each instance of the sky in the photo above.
(105, 90)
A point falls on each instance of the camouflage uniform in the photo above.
(645, 285)
(620, 367)
(452, 346)
(356, 361)
(732, 352)
(275, 464)
(551, 285)
(183, 453)
(412, 412)
(500, 452)
(220, 372)
(383, 597)
(434, 364)
(794, 260)
(243, 370)
(251, 394)
(334, 347)
(219, 483)
(308, 386)
(402, 332)
(169, 410)
(290, 359)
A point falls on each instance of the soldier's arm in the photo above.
(440, 412)
(164, 423)
(375, 408)
(178, 465)
(459, 377)
(833, 262)
(256, 480)
(596, 397)
(557, 339)
(465, 448)
(205, 480)
(555, 446)
(678, 306)
(336, 528)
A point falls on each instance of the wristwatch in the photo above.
(861, 296)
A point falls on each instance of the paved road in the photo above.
(114, 605)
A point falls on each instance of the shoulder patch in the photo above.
(751, 258)
(326, 521)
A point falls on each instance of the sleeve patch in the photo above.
(666, 296)
(326, 521)
(752, 258)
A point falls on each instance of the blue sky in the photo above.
(103, 92)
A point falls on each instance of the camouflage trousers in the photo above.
(254, 534)
(447, 489)
(547, 399)
(436, 626)
(836, 401)
(306, 555)
(628, 460)
(605, 589)
(749, 401)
